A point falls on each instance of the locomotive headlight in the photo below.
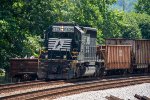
(62, 28)
(46, 56)
(64, 56)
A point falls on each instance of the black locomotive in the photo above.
(71, 51)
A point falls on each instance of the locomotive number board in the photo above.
(62, 29)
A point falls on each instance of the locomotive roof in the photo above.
(90, 28)
(66, 23)
(118, 39)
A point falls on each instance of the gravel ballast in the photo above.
(125, 93)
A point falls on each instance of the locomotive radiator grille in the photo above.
(59, 44)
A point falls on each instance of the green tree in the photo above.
(130, 27)
(144, 24)
(11, 37)
(143, 6)
(97, 14)
(135, 26)
(22, 22)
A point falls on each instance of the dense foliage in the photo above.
(22, 22)
(143, 6)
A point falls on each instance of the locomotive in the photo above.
(71, 52)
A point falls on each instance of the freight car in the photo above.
(141, 55)
(140, 52)
(116, 58)
(23, 69)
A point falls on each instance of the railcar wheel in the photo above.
(14, 79)
(96, 74)
(130, 70)
(148, 68)
(77, 72)
(34, 77)
(125, 72)
(18, 79)
(26, 77)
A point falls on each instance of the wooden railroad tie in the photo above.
(111, 97)
(141, 97)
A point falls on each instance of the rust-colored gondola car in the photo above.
(119, 41)
(117, 57)
(23, 69)
(142, 54)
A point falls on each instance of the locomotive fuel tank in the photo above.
(90, 69)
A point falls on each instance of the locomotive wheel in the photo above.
(102, 72)
(78, 72)
(26, 77)
(148, 68)
(15, 79)
(97, 72)
(125, 72)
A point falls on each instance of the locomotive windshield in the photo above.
(62, 32)
(61, 35)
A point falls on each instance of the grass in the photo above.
(2, 74)
(4, 79)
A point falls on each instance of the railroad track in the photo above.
(53, 93)
(24, 87)
(10, 88)
(11, 85)
(27, 83)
